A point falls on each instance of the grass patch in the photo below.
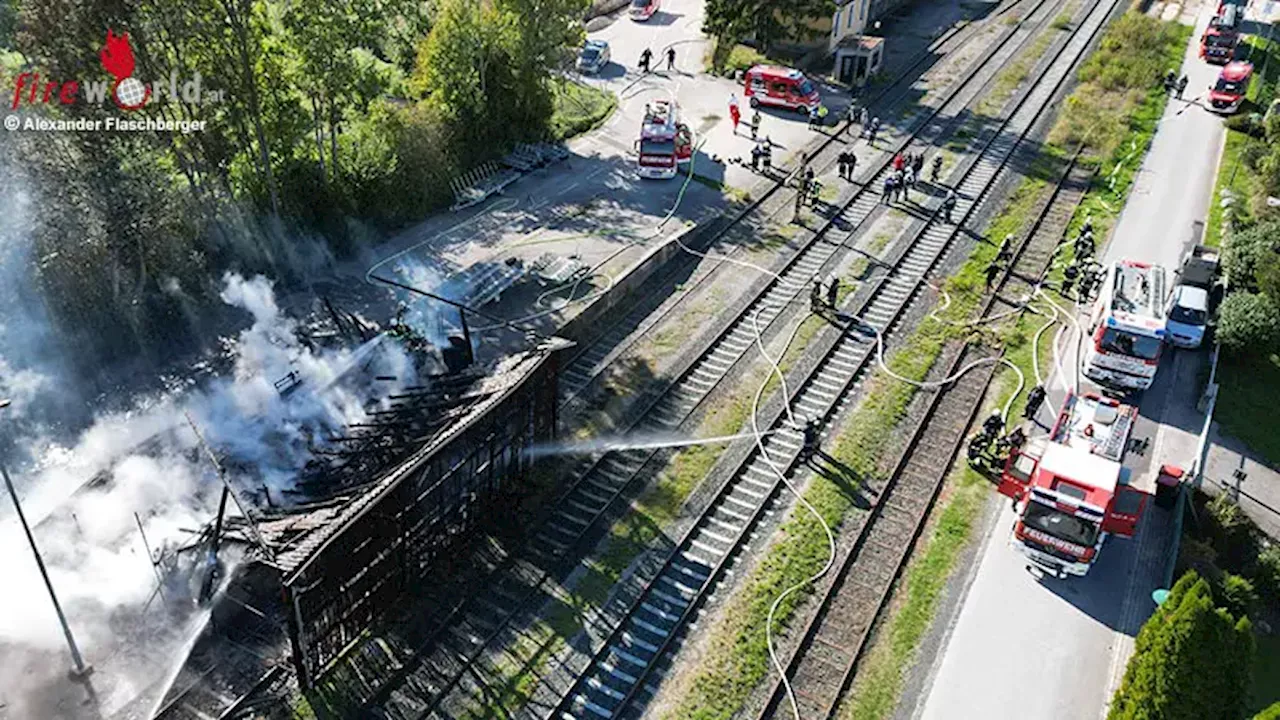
(1235, 177)
(1118, 85)
(578, 108)
(727, 61)
(1238, 170)
(1245, 404)
(1062, 22)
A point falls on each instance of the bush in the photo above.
(1238, 595)
(1247, 322)
(1272, 712)
(1246, 249)
(1266, 574)
(1191, 661)
(726, 60)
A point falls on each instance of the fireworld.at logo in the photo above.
(126, 91)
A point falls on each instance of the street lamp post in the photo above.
(80, 670)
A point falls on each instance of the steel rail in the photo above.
(920, 123)
(923, 439)
(675, 611)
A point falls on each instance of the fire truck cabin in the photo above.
(1072, 487)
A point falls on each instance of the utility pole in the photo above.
(81, 670)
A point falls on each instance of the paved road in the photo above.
(1020, 647)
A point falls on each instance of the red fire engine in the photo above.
(1069, 488)
(665, 142)
(1228, 93)
(1218, 43)
(1128, 327)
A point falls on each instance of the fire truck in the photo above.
(1069, 488)
(1218, 43)
(1228, 93)
(665, 142)
(1127, 327)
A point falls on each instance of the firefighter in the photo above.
(671, 59)
(1182, 85)
(755, 123)
(992, 426)
(842, 163)
(808, 181)
(887, 193)
(1035, 399)
(936, 169)
(768, 153)
(815, 297)
(908, 182)
(1015, 440)
(755, 157)
(645, 57)
(813, 117)
(949, 203)
(852, 164)
(1088, 283)
(1084, 245)
(810, 446)
(872, 130)
(815, 190)
(1069, 277)
(993, 270)
(1005, 253)
(917, 165)
(833, 293)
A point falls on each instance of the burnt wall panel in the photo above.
(366, 571)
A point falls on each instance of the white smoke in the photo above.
(87, 532)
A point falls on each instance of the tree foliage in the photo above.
(1192, 661)
(1247, 323)
(333, 117)
(766, 22)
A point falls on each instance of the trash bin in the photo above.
(1167, 483)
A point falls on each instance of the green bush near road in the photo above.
(1192, 660)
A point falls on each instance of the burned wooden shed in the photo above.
(456, 449)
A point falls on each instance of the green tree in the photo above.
(1192, 661)
(1247, 323)
(1271, 712)
(766, 22)
(1247, 249)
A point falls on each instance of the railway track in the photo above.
(619, 670)
(519, 580)
(823, 661)
(603, 481)
(589, 362)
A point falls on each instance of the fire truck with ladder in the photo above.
(1069, 488)
(665, 141)
(1127, 327)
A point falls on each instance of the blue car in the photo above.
(593, 57)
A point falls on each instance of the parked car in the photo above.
(642, 10)
(593, 57)
(1191, 304)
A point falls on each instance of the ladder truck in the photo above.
(1070, 489)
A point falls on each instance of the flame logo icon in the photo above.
(117, 57)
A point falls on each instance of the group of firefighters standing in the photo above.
(646, 57)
